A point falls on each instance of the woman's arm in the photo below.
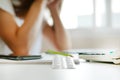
(57, 33)
(17, 38)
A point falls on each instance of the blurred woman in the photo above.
(25, 38)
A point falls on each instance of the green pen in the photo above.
(59, 53)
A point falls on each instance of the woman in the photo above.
(22, 38)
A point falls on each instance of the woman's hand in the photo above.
(57, 34)
(54, 4)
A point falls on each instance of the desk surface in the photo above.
(84, 71)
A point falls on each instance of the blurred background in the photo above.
(91, 23)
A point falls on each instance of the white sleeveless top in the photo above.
(36, 33)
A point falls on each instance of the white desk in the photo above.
(84, 71)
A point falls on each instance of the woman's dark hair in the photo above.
(23, 8)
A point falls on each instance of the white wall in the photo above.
(92, 38)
